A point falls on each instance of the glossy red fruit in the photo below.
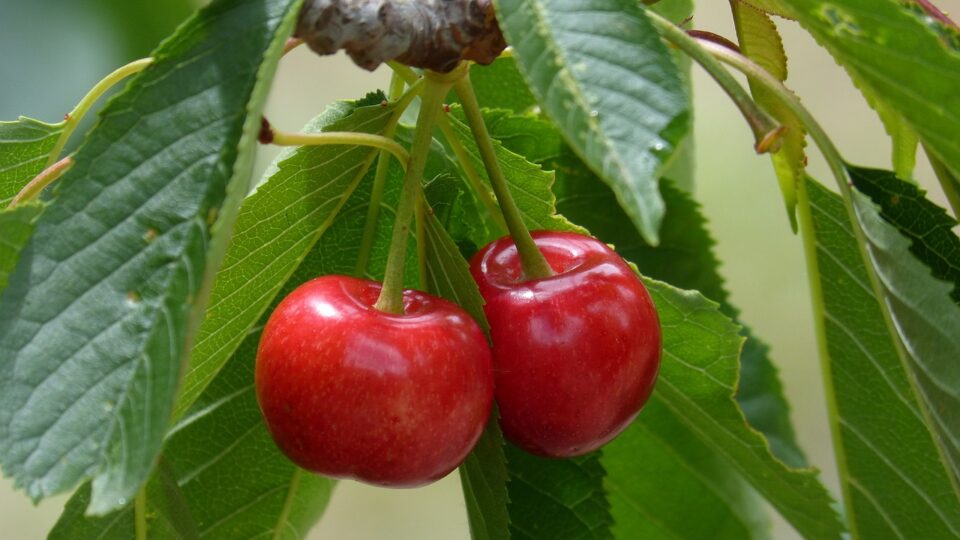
(576, 354)
(349, 391)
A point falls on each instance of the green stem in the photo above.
(808, 235)
(76, 115)
(41, 181)
(534, 265)
(436, 89)
(140, 514)
(838, 168)
(349, 138)
(376, 192)
(766, 131)
(948, 182)
(473, 177)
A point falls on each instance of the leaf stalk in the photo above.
(73, 118)
(348, 138)
(767, 132)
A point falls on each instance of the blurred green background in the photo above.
(52, 51)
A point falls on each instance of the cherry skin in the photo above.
(349, 391)
(576, 354)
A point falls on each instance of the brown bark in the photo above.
(431, 34)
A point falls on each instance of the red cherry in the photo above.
(575, 354)
(349, 391)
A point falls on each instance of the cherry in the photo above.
(575, 354)
(349, 391)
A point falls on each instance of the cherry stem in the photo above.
(470, 172)
(532, 261)
(376, 192)
(73, 118)
(767, 132)
(350, 138)
(434, 92)
(41, 181)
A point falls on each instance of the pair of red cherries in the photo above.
(349, 391)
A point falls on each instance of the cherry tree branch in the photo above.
(431, 34)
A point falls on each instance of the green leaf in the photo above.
(228, 475)
(697, 382)
(926, 320)
(25, 147)
(893, 482)
(656, 447)
(601, 73)
(895, 52)
(532, 137)
(98, 316)
(168, 515)
(17, 226)
(448, 273)
(929, 227)
(552, 498)
(760, 41)
(278, 224)
(484, 478)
